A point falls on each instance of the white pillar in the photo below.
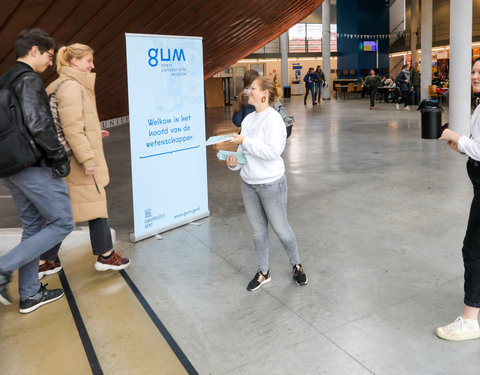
(284, 52)
(326, 47)
(414, 30)
(426, 44)
(460, 65)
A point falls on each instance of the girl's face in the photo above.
(85, 63)
(475, 76)
(255, 94)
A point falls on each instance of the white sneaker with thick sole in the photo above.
(407, 108)
(459, 330)
(397, 106)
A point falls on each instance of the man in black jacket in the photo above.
(39, 192)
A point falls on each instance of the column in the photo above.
(326, 47)
(426, 44)
(284, 52)
(414, 30)
(460, 65)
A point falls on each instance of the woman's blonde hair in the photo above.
(67, 53)
(274, 92)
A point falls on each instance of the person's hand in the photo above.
(105, 133)
(61, 170)
(90, 171)
(449, 135)
(454, 146)
(237, 139)
(232, 161)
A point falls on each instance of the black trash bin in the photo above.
(431, 119)
(287, 92)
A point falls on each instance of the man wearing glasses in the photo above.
(39, 191)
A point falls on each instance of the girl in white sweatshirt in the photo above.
(264, 185)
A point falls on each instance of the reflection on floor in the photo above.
(379, 215)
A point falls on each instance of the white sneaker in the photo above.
(398, 106)
(459, 330)
(407, 108)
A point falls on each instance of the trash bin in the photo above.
(287, 92)
(431, 119)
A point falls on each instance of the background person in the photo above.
(466, 327)
(77, 110)
(309, 80)
(372, 82)
(242, 108)
(319, 82)
(403, 84)
(264, 185)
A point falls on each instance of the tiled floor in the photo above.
(379, 216)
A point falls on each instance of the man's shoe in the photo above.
(115, 262)
(314, 103)
(407, 108)
(258, 280)
(305, 102)
(459, 330)
(49, 268)
(299, 275)
(397, 106)
(42, 297)
(4, 295)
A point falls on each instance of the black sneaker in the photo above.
(299, 275)
(259, 279)
(4, 296)
(42, 297)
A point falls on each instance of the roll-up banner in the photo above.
(167, 132)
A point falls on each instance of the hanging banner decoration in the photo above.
(167, 132)
(396, 35)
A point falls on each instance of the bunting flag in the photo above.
(372, 36)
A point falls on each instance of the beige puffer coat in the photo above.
(77, 110)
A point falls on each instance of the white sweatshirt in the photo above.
(265, 135)
(471, 146)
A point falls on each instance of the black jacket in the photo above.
(37, 116)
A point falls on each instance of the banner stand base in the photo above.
(152, 233)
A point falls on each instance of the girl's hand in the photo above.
(105, 133)
(449, 136)
(232, 161)
(90, 171)
(454, 146)
(237, 139)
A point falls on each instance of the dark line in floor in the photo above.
(158, 323)
(82, 329)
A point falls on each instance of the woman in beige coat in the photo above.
(77, 110)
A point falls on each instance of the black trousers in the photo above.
(373, 92)
(100, 239)
(471, 243)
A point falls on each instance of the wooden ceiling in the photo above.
(231, 30)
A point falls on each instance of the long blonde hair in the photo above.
(67, 53)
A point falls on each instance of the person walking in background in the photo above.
(403, 84)
(466, 327)
(77, 110)
(242, 108)
(309, 80)
(38, 191)
(264, 185)
(319, 82)
(372, 82)
(415, 83)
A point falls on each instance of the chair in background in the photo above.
(338, 91)
(358, 90)
(351, 90)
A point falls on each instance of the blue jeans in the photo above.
(44, 205)
(267, 203)
(309, 88)
(318, 91)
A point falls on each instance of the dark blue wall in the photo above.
(362, 17)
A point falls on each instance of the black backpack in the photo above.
(287, 118)
(17, 148)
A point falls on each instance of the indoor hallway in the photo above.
(379, 216)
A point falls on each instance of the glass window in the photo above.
(307, 37)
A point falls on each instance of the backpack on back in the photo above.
(287, 119)
(17, 148)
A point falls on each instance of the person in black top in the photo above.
(309, 80)
(39, 192)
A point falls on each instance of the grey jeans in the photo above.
(44, 205)
(264, 204)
